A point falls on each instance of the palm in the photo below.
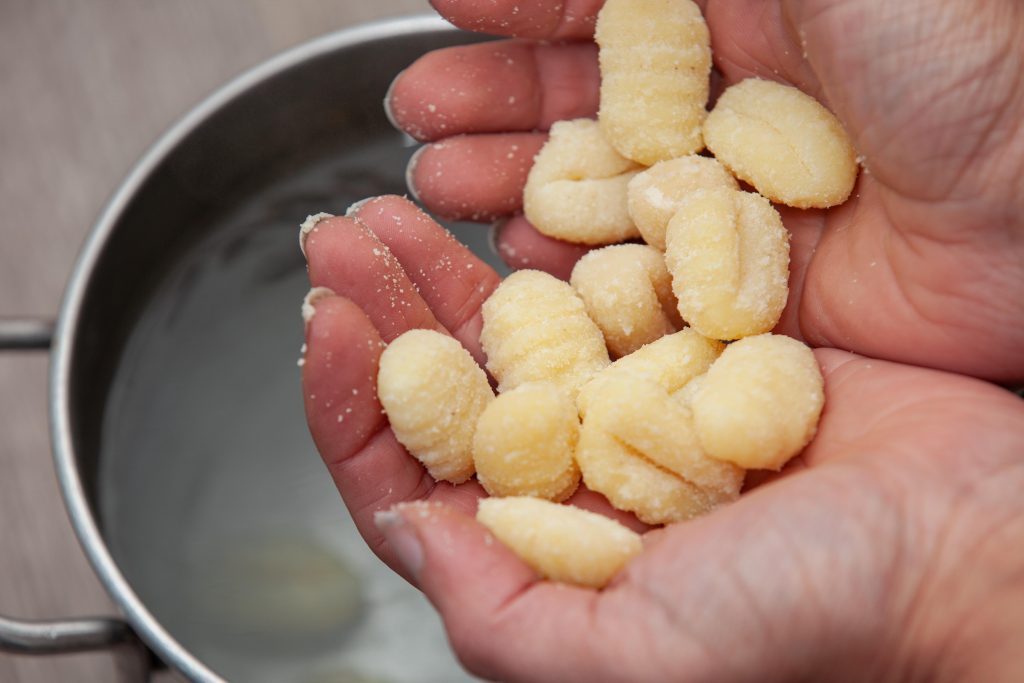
(925, 262)
(820, 566)
(834, 559)
(921, 266)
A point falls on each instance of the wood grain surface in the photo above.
(85, 88)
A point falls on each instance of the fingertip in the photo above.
(455, 90)
(388, 101)
(411, 183)
(474, 177)
(457, 563)
(314, 295)
(345, 255)
(309, 225)
(495, 87)
(320, 240)
(402, 105)
(489, 598)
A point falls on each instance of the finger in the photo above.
(494, 88)
(371, 470)
(449, 278)
(752, 38)
(540, 19)
(347, 258)
(521, 246)
(503, 623)
(475, 177)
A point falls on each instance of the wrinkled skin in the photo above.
(922, 266)
(891, 549)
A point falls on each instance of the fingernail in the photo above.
(402, 539)
(307, 227)
(410, 172)
(351, 211)
(495, 234)
(387, 102)
(309, 302)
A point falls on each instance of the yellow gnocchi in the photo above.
(576, 188)
(628, 292)
(654, 195)
(783, 142)
(560, 542)
(638, 447)
(525, 442)
(759, 404)
(433, 393)
(655, 58)
(672, 362)
(536, 329)
(728, 253)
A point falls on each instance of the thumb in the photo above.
(503, 622)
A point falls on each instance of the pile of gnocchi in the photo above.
(652, 375)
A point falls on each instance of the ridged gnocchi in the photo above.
(655, 58)
(654, 195)
(576, 189)
(728, 253)
(433, 393)
(672, 362)
(783, 142)
(628, 292)
(536, 329)
(638, 447)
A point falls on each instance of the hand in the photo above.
(889, 551)
(924, 265)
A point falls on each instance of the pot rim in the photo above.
(69, 318)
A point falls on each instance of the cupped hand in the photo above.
(924, 265)
(888, 551)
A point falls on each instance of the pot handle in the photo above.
(134, 661)
(25, 334)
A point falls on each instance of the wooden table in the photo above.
(85, 88)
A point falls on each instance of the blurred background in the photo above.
(85, 88)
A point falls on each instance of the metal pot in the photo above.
(176, 417)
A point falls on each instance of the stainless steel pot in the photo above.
(175, 409)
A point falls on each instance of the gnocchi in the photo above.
(576, 189)
(728, 253)
(560, 542)
(759, 404)
(524, 444)
(433, 393)
(638, 448)
(536, 329)
(672, 361)
(653, 196)
(655, 59)
(627, 291)
(783, 142)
